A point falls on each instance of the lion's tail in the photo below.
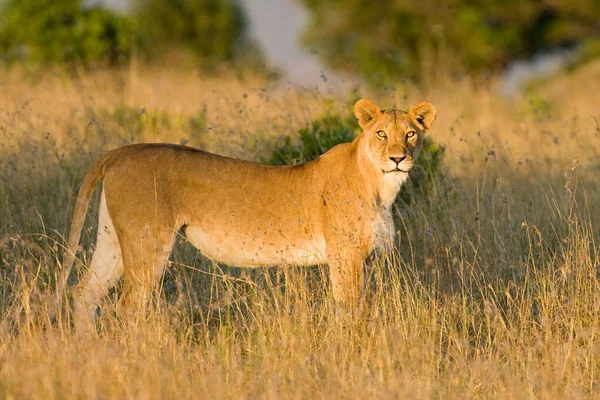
(91, 180)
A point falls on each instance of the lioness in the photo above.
(333, 210)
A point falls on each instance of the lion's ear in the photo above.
(365, 110)
(424, 113)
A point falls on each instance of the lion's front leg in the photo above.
(347, 276)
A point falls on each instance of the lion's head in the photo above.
(393, 137)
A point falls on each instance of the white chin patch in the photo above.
(392, 182)
(395, 177)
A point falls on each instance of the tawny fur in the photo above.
(333, 210)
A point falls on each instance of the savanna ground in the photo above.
(493, 290)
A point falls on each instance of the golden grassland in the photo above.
(493, 289)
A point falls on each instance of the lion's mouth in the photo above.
(394, 170)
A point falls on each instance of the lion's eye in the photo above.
(381, 134)
(410, 134)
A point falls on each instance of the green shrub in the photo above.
(333, 128)
(321, 135)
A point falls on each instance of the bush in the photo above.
(213, 31)
(333, 128)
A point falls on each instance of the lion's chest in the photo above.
(383, 224)
(383, 230)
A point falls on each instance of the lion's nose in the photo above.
(397, 159)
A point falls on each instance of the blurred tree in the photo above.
(211, 30)
(61, 31)
(392, 39)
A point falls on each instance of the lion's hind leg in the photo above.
(144, 262)
(105, 269)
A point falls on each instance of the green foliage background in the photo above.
(68, 32)
(210, 30)
(62, 32)
(392, 39)
(382, 41)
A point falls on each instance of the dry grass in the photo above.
(494, 290)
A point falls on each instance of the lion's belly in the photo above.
(244, 250)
